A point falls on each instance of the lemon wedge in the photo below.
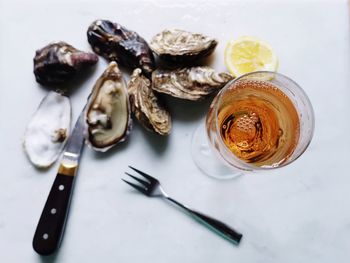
(248, 54)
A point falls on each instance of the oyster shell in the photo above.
(108, 110)
(115, 42)
(48, 129)
(181, 46)
(145, 105)
(189, 83)
(59, 62)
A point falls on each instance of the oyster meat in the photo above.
(189, 83)
(116, 43)
(145, 105)
(181, 46)
(59, 62)
(48, 129)
(108, 110)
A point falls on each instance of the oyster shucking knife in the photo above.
(49, 231)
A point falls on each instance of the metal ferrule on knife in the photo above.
(69, 164)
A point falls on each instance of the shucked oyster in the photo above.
(48, 130)
(115, 42)
(182, 46)
(108, 110)
(59, 62)
(189, 83)
(145, 105)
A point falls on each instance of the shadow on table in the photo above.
(158, 142)
(187, 111)
(48, 259)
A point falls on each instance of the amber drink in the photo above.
(258, 123)
(261, 120)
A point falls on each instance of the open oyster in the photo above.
(189, 83)
(145, 105)
(108, 110)
(59, 62)
(48, 130)
(115, 42)
(182, 46)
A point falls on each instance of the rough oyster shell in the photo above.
(59, 62)
(189, 83)
(108, 111)
(48, 129)
(145, 105)
(181, 46)
(116, 43)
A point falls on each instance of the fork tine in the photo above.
(144, 174)
(138, 179)
(137, 187)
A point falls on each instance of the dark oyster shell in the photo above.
(145, 105)
(189, 83)
(115, 42)
(108, 110)
(181, 46)
(59, 62)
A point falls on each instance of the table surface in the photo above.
(299, 213)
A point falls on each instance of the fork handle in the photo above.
(217, 226)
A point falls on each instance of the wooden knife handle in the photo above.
(51, 225)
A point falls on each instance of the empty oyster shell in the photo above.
(145, 105)
(115, 42)
(182, 46)
(48, 130)
(189, 83)
(59, 62)
(108, 110)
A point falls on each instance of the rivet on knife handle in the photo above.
(51, 225)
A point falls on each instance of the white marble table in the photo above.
(299, 213)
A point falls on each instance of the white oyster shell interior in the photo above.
(48, 130)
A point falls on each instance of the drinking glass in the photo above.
(208, 148)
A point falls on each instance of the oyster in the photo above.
(115, 42)
(181, 46)
(108, 110)
(145, 105)
(189, 83)
(48, 130)
(59, 62)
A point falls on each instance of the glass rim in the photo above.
(245, 165)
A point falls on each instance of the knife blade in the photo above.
(50, 228)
